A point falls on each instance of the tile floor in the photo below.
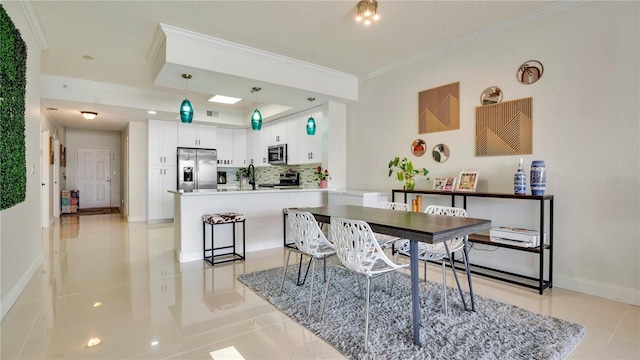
(116, 281)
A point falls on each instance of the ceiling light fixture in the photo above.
(311, 122)
(152, 112)
(256, 117)
(367, 10)
(89, 115)
(186, 110)
(224, 99)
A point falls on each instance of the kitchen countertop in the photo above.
(206, 192)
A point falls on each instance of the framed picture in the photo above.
(450, 184)
(467, 181)
(438, 183)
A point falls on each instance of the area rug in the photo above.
(95, 211)
(495, 331)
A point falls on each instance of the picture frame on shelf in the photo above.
(438, 184)
(467, 181)
(450, 184)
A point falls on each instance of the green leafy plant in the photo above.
(243, 173)
(13, 85)
(405, 172)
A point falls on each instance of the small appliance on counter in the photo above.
(288, 180)
(197, 169)
(222, 177)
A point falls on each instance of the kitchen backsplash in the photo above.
(271, 174)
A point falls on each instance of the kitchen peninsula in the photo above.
(262, 208)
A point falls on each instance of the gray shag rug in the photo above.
(494, 331)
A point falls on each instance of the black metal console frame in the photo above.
(482, 239)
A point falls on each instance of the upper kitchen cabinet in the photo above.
(293, 140)
(239, 148)
(162, 142)
(277, 133)
(225, 147)
(197, 136)
(309, 146)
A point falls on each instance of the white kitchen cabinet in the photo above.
(293, 137)
(309, 146)
(239, 148)
(225, 147)
(277, 132)
(265, 141)
(162, 142)
(253, 146)
(162, 178)
(197, 136)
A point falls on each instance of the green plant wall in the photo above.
(13, 84)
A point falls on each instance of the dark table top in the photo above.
(404, 224)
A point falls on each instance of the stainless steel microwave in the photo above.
(277, 154)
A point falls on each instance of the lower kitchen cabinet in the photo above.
(160, 205)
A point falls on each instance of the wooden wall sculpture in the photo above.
(439, 109)
(505, 128)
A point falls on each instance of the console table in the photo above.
(539, 283)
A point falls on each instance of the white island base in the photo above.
(262, 208)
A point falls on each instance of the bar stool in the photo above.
(219, 219)
(285, 213)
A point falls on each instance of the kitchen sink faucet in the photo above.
(252, 175)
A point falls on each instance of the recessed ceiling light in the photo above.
(87, 57)
(97, 303)
(155, 342)
(224, 99)
(151, 112)
(94, 342)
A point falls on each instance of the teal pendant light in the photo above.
(186, 110)
(311, 122)
(256, 116)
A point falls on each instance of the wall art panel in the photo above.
(439, 109)
(505, 128)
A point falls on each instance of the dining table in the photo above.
(415, 226)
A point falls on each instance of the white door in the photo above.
(94, 180)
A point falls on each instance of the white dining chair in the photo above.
(309, 241)
(383, 239)
(440, 251)
(359, 252)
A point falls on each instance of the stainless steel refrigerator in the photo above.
(197, 169)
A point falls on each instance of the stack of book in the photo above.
(515, 236)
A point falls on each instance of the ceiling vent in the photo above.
(213, 113)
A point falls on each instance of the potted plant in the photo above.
(405, 172)
(242, 176)
(323, 176)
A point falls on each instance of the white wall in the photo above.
(81, 138)
(585, 127)
(20, 227)
(137, 171)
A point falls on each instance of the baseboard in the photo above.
(14, 293)
(607, 291)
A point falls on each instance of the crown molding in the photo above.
(516, 22)
(34, 24)
(156, 45)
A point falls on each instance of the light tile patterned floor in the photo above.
(118, 281)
